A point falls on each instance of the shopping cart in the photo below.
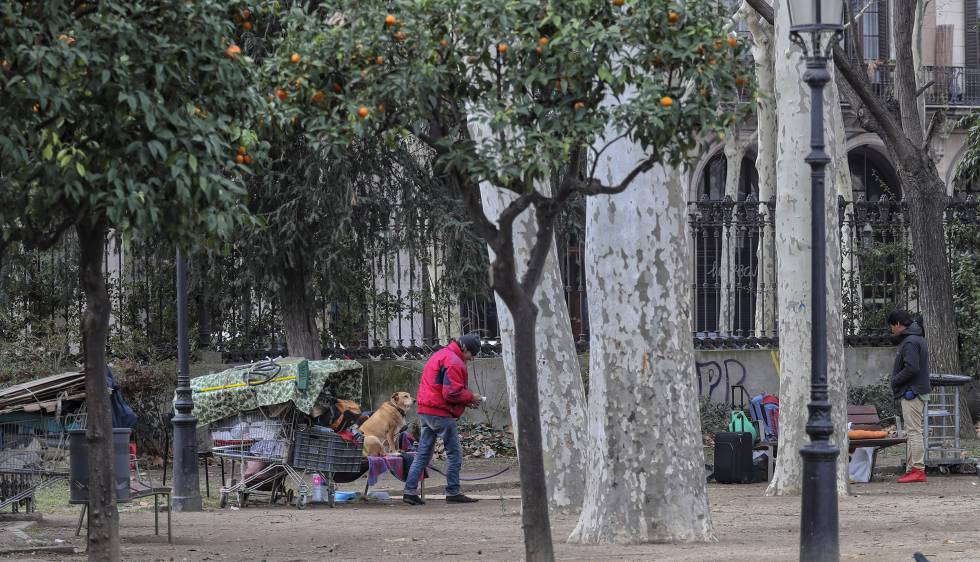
(33, 455)
(260, 443)
(320, 450)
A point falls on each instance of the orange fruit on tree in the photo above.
(666, 101)
(233, 51)
(318, 97)
(543, 41)
(242, 150)
(363, 112)
(673, 17)
(732, 41)
(295, 58)
(390, 20)
(247, 158)
(502, 48)
(281, 94)
(579, 105)
(618, 3)
(239, 159)
(247, 25)
(538, 50)
(379, 60)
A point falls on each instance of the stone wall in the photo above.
(716, 371)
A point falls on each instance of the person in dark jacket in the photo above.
(910, 385)
(442, 397)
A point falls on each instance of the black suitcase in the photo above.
(733, 457)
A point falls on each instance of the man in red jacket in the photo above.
(442, 397)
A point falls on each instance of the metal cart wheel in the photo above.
(944, 469)
(223, 502)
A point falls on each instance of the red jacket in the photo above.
(442, 390)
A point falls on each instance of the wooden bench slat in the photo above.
(863, 418)
(853, 409)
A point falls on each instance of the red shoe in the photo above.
(914, 475)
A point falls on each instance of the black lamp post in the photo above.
(187, 490)
(820, 21)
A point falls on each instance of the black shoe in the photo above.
(412, 499)
(460, 498)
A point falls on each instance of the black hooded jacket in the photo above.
(911, 369)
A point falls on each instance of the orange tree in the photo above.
(123, 116)
(512, 94)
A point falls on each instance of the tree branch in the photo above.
(938, 117)
(595, 187)
(764, 9)
(545, 218)
(922, 90)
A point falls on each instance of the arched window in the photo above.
(727, 235)
(872, 175)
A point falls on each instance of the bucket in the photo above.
(79, 464)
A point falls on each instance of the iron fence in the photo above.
(399, 301)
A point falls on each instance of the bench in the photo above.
(860, 417)
(866, 418)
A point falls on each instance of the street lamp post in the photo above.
(187, 490)
(820, 21)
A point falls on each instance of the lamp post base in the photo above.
(818, 517)
(187, 484)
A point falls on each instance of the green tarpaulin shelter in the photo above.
(240, 389)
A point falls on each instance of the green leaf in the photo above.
(192, 162)
(80, 168)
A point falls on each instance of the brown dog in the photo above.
(379, 430)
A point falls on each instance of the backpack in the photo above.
(742, 424)
(765, 410)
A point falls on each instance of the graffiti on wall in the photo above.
(715, 379)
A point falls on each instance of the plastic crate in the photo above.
(323, 450)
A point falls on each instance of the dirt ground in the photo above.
(882, 521)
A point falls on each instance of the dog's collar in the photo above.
(400, 411)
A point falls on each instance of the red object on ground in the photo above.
(914, 475)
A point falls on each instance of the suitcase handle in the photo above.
(742, 395)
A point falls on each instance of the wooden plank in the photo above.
(864, 419)
(861, 409)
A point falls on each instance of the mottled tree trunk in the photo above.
(302, 336)
(765, 165)
(561, 392)
(793, 250)
(645, 467)
(103, 517)
(734, 151)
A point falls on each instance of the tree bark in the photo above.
(302, 336)
(734, 151)
(103, 517)
(534, 513)
(765, 165)
(561, 391)
(645, 469)
(793, 247)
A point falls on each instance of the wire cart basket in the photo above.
(260, 443)
(320, 450)
(941, 424)
(34, 455)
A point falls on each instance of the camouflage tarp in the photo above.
(220, 395)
